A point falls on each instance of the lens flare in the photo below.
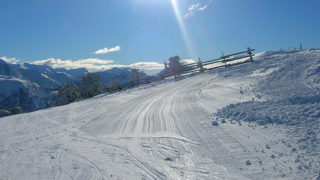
(182, 27)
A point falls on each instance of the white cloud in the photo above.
(147, 65)
(188, 14)
(203, 8)
(188, 61)
(195, 8)
(10, 60)
(94, 64)
(107, 50)
(94, 61)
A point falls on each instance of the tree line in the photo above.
(90, 86)
(90, 83)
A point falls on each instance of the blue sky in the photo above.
(143, 33)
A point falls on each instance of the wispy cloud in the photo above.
(107, 50)
(193, 8)
(203, 8)
(10, 60)
(94, 64)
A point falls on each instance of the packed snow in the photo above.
(252, 121)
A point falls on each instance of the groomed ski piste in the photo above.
(252, 121)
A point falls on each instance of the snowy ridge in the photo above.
(29, 86)
(47, 80)
(166, 130)
(16, 92)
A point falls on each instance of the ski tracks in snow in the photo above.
(164, 131)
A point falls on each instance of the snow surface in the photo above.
(176, 129)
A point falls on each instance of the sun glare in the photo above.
(182, 27)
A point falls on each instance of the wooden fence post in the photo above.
(224, 59)
(250, 54)
(200, 66)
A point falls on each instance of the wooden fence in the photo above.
(223, 61)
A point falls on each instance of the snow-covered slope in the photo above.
(75, 73)
(175, 129)
(28, 86)
(45, 76)
(16, 92)
(120, 74)
(5, 69)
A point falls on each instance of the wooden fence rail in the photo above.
(224, 60)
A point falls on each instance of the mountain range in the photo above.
(33, 87)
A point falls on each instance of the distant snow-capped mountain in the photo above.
(34, 87)
(120, 74)
(30, 86)
(25, 94)
(5, 69)
(43, 75)
(73, 72)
